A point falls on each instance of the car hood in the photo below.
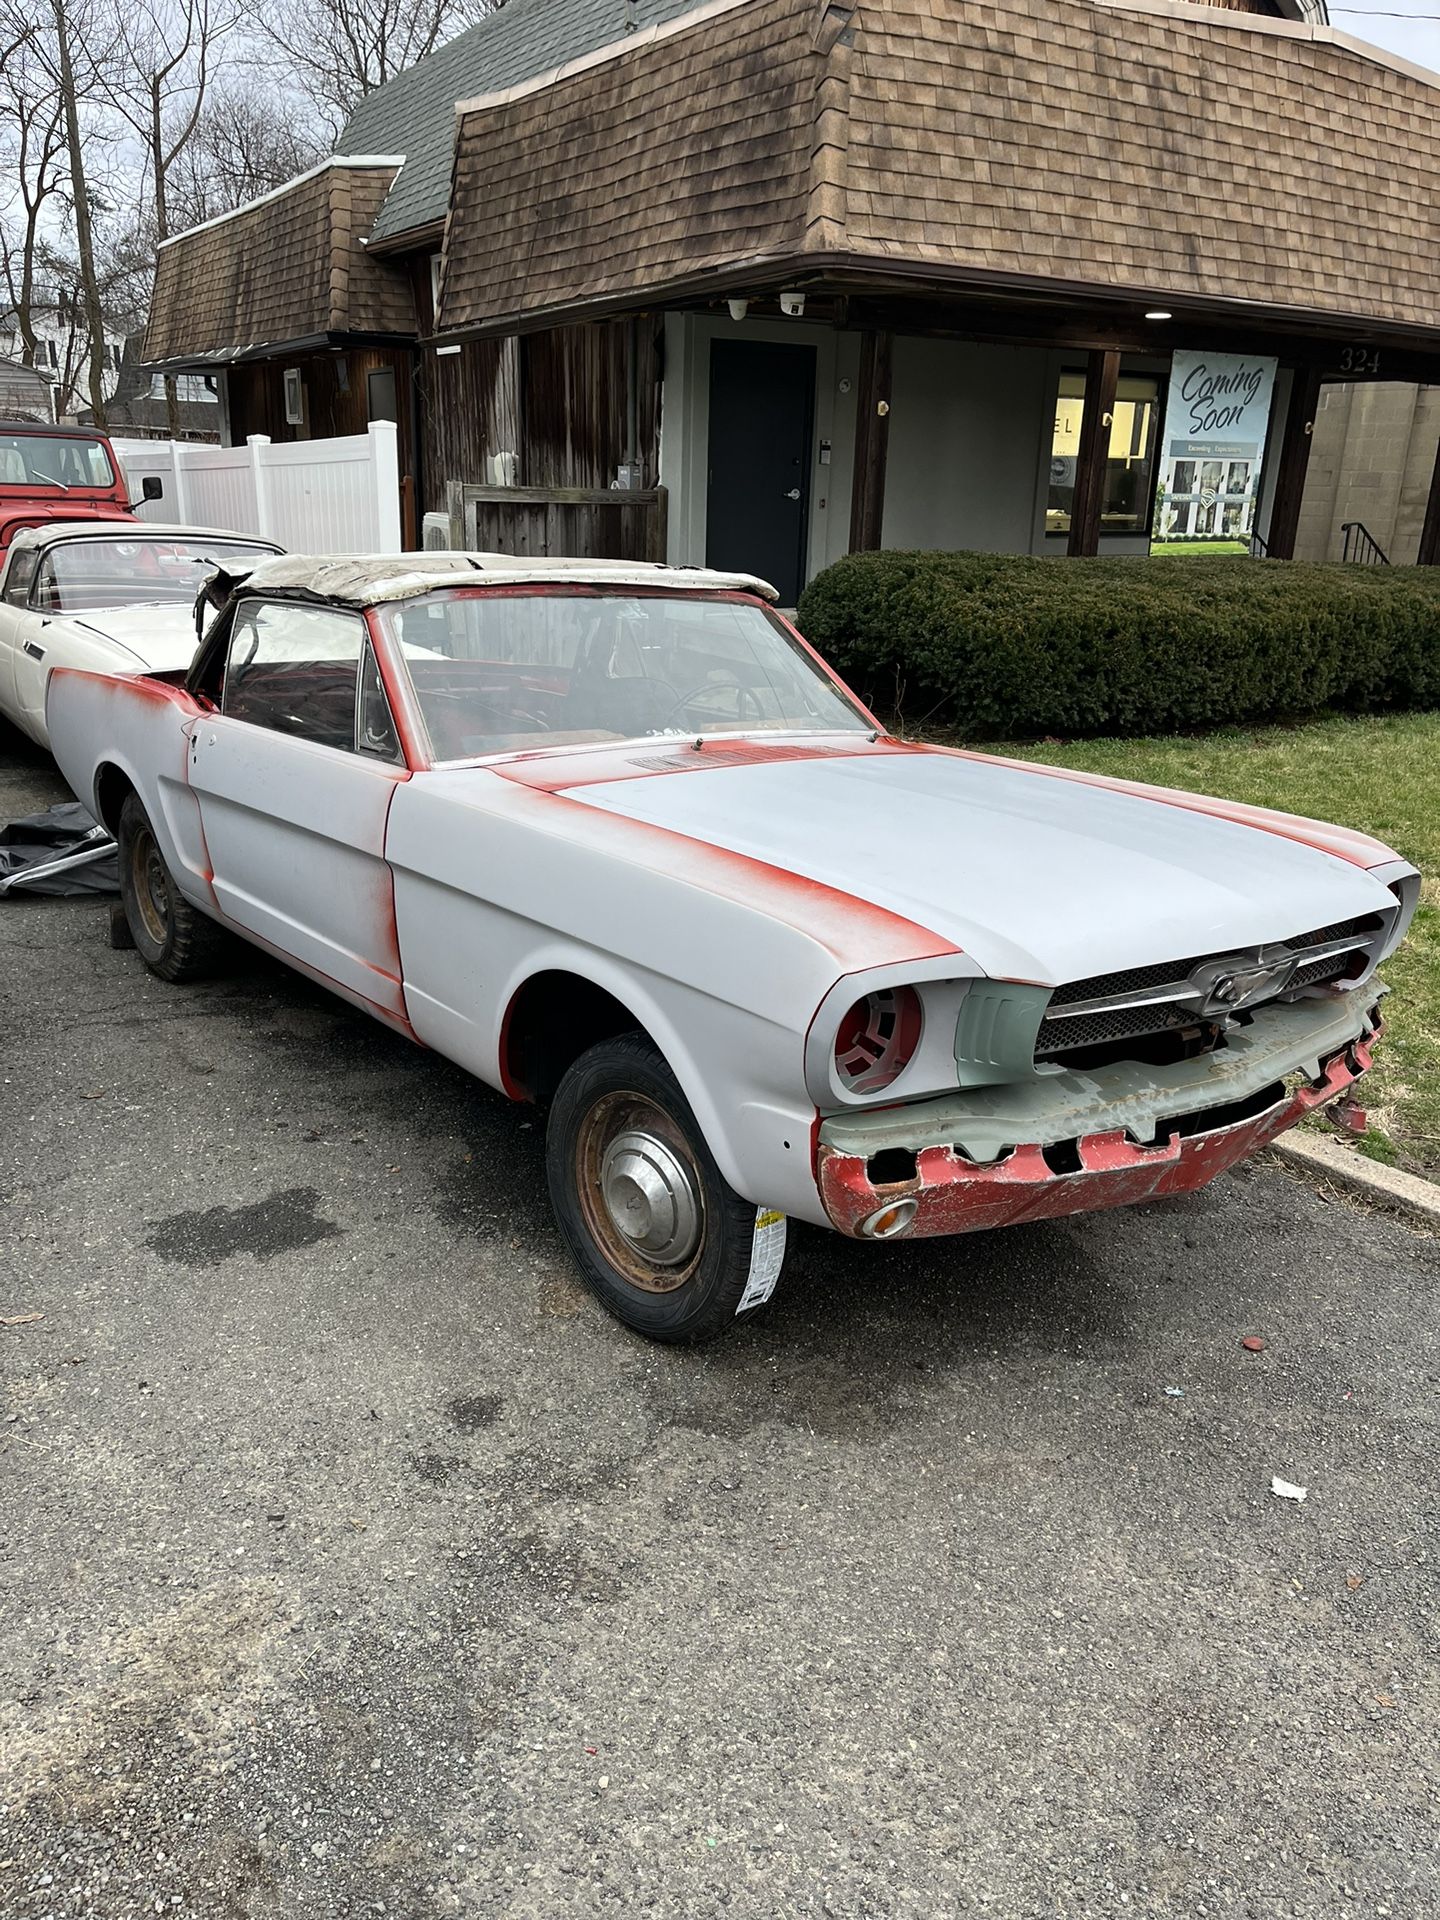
(159, 638)
(19, 510)
(1033, 875)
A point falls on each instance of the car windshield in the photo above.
(75, 575)
(498, 672)
(53, 460)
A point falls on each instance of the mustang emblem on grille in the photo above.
(1234, 982)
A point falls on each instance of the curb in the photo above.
(1382, 1186)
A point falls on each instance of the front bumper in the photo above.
(1294, 1053)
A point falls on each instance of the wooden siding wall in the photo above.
(459, 418)
(257, 395)
(574, 403)
(557, 399)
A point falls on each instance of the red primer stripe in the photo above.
(857, 933)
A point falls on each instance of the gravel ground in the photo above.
(352, 1562)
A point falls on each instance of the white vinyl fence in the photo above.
(312, 496)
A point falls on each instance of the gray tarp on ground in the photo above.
(60, 851)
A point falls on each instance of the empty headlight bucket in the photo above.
(877, 1038)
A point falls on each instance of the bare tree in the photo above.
(158, 87)
(60, 49)
(337, 51)
(77, 32)
(31, 154)
(248, 142)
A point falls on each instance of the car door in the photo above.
(14, 621)
(294, 778)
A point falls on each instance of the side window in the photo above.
(295, 669)
(46, 596)
(22, 572)
(374, 724)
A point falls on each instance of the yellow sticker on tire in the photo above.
(767, 1256)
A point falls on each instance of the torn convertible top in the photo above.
(369, 580)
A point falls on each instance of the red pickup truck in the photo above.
(60, 473)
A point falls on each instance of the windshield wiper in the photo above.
(47, 481)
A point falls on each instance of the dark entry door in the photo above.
(757, 509)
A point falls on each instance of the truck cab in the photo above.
(59, 473)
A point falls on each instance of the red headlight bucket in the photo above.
(877, 1039)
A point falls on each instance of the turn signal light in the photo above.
(877, 1039)
(889, 1221)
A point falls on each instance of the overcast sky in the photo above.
(1415, 33)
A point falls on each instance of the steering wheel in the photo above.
(745, 696)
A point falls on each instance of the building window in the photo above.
(380, 397)
(1129, 464)
(294, 398)
(1210, 500)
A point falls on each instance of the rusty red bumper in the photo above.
(954, 1195)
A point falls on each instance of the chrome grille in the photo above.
(1095, 1024)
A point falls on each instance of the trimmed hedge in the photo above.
(1003, 645)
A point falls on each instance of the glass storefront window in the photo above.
(1130, 458)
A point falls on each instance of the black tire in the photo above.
(173, 938)
(623, 1092)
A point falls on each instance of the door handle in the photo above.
(793, 494)
(36, 653)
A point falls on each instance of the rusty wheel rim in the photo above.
(640, 1191)
(150, 885)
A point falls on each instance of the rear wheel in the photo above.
(659, 1236)
(173, 938)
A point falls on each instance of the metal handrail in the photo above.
(1361, 546)
(1259, 547)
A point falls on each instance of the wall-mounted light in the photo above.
(444, 353)
(738, 308)
(1159, 313)
(792, 305)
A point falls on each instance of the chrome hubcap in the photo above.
(649, 1195)
(640, 1190)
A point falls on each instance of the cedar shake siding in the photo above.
(284, 271)
(1139, 147)
(680, 154)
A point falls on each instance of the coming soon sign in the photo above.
(1216, 419)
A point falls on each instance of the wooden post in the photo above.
(1102, 376)
(1429, 554)
(872, 432)
(1294, 459)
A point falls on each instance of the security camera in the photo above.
(792, 305)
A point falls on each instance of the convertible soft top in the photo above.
(369, 580)
(127, 530)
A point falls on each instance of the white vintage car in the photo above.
(614, 839)
(113, 595)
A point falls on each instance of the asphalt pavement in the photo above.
(352, 1562)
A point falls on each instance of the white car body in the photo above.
(129, 637)
(737, 896)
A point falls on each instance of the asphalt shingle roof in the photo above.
(414, 113)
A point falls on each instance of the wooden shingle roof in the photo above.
(1122, 145)
(414, 113)
(287, 269)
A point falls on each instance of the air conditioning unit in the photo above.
(435, 532)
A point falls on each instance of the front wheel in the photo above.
(657, 1233)
(173, 938)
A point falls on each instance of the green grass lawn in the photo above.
(1380, 775)
(1196, 549)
